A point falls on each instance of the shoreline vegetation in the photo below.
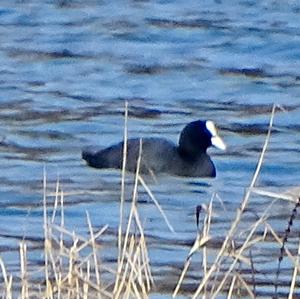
(72, 267)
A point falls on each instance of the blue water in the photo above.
(66, 69)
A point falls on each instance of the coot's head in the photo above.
(197, 136)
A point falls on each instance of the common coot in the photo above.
(159, 155)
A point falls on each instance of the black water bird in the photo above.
(159, 155)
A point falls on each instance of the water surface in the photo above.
(67, 67)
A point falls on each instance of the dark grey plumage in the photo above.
(159, 155)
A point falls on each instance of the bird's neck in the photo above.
(188, 154)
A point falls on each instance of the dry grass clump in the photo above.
(72, 265)
(73, 268)
(216, 281)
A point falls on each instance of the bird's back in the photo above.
(156, 155)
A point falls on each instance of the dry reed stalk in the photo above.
(127, 278)
(206, 229)
(295, 272)
(122, 197)
(230, 292)
(91, 241)
(94, 286)
(240, 211)
(69, 293)
(182, 275)
(241, 249)
(134, 279)
(221, 202)
(85, 242)
(47, 243)
(72, 262)
(85, 286)
(74, 276)
(276, 195)
(117, 289)
(23, 263)
(142, 279)
(96, 267)
(200, 242)
(145, 260)
(254, 241)
(123, 278)
(55, 269)
(132, 258)
(59, 285)
(123, 274)
(253, 269)
(61, 245)
(146, 265)
(142, 248)
(55, 201)
(81, 273)
(75, 279)
(141, 180)
(62, 224)
(82, 262)
(245, 285)
(7, 292)
(134, 197)
(77, 287)
(284, 241)
(279, 241)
